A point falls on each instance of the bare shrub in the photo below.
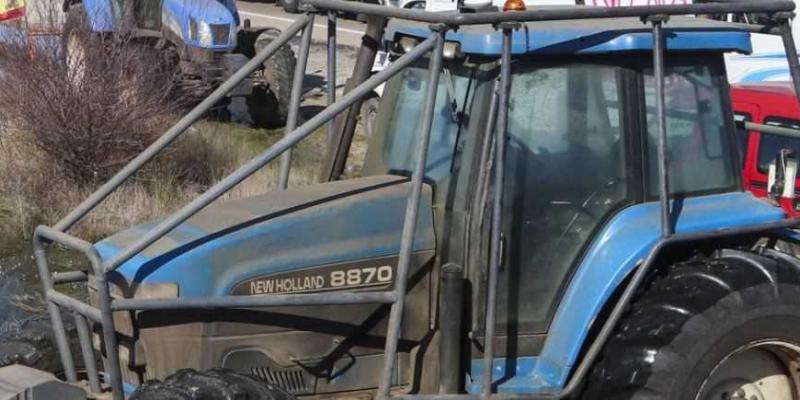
(61, 137)
(89, 112)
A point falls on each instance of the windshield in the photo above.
(393, 145)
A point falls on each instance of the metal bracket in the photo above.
(512, 25)
(439, 27)
(784, 15)
(655, 18)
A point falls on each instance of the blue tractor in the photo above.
(204, 39)
(550, 207)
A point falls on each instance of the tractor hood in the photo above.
(239, 244)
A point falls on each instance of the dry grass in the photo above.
(33, 191)
(88, 114)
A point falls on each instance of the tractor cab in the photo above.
(581, 144)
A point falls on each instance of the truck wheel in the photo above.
(214, 384)
(278, 75)
(724, 327)
(263, 107)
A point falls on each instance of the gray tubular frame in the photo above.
(432, 48)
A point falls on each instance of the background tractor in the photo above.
(205, 40)
(547, 210)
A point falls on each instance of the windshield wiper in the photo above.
(451, 95)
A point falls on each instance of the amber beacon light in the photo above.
(514, 5)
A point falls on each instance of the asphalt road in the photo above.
(349, 32)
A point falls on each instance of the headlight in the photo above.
(200, 31)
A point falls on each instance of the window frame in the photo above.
(717, 64)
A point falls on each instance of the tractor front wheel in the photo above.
(214, 384)
(724, 327)
(270, 104)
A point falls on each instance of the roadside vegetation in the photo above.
(69, 123)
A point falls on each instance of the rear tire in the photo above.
(214, 384)
(692, 330)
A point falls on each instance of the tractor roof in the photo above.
(590, 36)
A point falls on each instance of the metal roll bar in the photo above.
(294, 100)
(432, 47)
(774, 130)
(497, 206)
(661, 113)
(412, 209)
(544, 14)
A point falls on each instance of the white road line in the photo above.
(252, 14)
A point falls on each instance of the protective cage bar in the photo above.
(433, 45)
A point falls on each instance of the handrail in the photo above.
(773, 130)
(71, 242)
(300, 299)
(84, 309)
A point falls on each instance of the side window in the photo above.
(392, 146)
(565, 172)
(742, 134)
(770, 145)
(697, 141)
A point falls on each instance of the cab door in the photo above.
(567, 170)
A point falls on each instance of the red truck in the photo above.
(768, 103)
(11, 9)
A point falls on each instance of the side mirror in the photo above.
(781, 184)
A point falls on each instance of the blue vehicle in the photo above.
(205, 39)
(550, 207)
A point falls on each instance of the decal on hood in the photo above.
(376, 272)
